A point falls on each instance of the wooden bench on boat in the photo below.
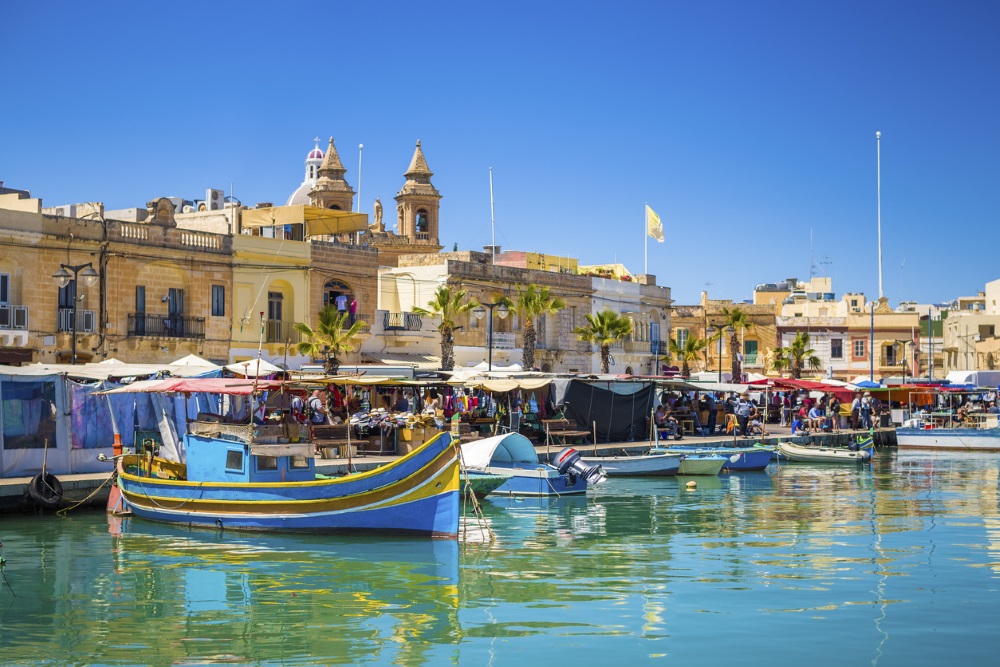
(562, 431)
(330, 437)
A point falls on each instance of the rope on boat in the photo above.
(77, 503)
(470, 496)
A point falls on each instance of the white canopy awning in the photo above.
(508, 448)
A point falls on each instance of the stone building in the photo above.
(139, 292)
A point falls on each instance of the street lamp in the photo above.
(68, 274)
(711, 329)
(901, 344)
(480, 312)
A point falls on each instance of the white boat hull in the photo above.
(795, 452)
(646, 465)
(949, 438)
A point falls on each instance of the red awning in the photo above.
(232, 386)
(843, 393)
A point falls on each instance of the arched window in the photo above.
(422, 225)
(336, 207)
(333, 289)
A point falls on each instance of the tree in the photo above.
(604, 330)
(532, 302)
(739, 320)
(330, 338)
(448, 306)
(687, 353)
(797, 355)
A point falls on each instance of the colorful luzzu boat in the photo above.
(263, 478)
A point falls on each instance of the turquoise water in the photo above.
(894, 564)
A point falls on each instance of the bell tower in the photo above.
(331, 190)
(418, 203)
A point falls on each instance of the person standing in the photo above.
(341, 302)
(317, 407)
(744, 410)
(856, 411)
(866, 411)
(353, 309)
(835, 414)
(712, 408)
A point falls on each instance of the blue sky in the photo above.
(747, 126)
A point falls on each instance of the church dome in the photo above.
(315, 154)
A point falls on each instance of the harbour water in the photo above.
(893, 564)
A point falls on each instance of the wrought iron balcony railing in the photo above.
(165, 326)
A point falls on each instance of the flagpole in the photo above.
(645, 244)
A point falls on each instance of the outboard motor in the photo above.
(568, 463)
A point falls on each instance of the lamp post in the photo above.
(901, 345)
(68, 274)
(480, 312)
(711, 329)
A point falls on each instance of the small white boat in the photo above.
(795, 452)
(644, 465)
(695, 464)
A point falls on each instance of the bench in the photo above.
(327, 437)
(561, 431)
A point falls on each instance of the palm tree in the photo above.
(797, 355)
(688, 352)
(604, 329)
(534, 301)
(331, 337)
(739, 320)
(448, 306)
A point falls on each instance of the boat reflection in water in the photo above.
(242, 598)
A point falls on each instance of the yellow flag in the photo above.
(653, 226)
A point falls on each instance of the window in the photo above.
(298, 462)
(218, 300)
(750, 351)
(140, 298)
(4, 289)
(234, 460)
(859, 348)
(890, 355)
(265, 463)
(274, 303)
(421, 222)
(682, 337)
(836, 348)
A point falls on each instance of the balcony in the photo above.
(276, 331)
(402, 322)
(86, 321)
(503, 340)
(166, 326)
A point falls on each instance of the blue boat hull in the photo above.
(537, 479)
(418, 494)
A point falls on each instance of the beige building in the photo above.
(139, 292)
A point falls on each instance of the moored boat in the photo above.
(695, 463)
(514, 455)
(262, 477)
(643, 465)
(794, 452)
(736, 458)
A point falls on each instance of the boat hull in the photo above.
(647, 465)
(483, 484)
(736, 458)
(949, 438)
(701, 465)
(417, 494)
(535, 479)
(823, 454)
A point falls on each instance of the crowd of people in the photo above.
(748, 417)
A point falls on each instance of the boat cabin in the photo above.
(242, 453)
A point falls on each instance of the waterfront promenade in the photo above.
(77, 488)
